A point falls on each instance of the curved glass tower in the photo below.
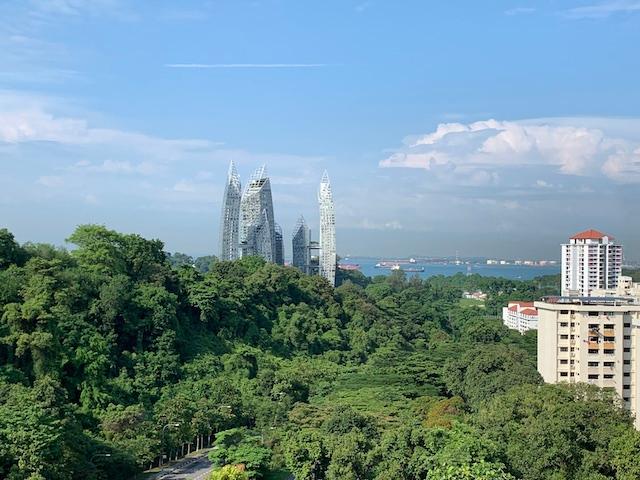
(327, 259)
(230, 217)
(300, 246)
(257, 226)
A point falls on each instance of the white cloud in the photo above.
(476, 153)
(34, 124)
(51, 181)
(604, 9)
(384, 225)
(520, 11)
(244, 65)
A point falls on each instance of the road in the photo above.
(197, 468)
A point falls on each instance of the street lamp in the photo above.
(162, 437)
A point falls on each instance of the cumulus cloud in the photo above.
(476, 153)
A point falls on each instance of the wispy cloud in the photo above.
(519, 11)
(604, 9)
(245, 65)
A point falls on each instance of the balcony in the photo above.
(609, 345)
(593, 345)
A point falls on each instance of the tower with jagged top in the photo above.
(230, 216)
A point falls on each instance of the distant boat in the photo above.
(349, 266)
(408, 269)
(414, 269)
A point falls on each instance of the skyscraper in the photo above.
(279, 245)
(230, 217)
(327, 231)
(590, 261)
(257, 226)
(300, 246)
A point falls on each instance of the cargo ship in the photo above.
(349, 266)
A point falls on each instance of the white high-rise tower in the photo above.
(590, 261)
(257, 226)
(230, 217)
(327, 231)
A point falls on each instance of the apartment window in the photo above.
(627, 337)
(572, 362)
(563, 374)
(608, 364)
(627, 350)
(609, 339)
(593, 326)
(627, 325)
(572, 337)
(627, 374)
(609, 350)
(593, 364)
(609, 325)
(564, 324)
(593, 376)
(627, 362)
(564, 312)
(564, 337)
(563, 362)
(594, 314)
(573, 324)
(571, 374)
(608, 375)
(626, 399)
(593, 350)
(627, 386)
(573, 348)
(564, 349)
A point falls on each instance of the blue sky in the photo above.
(490, 128)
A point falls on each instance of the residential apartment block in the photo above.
(594, 340)
(590, 261)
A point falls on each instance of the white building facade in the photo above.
(328, 259)
(520, 316)
(590, 261)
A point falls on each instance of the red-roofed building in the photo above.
(590, 261)
(521, 316)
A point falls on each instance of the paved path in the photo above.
(195, 468)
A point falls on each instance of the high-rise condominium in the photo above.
(591, 260)
(257, 226)
(327, 259)
(300, 243)
(230, 217)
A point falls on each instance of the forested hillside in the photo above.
(111, 354)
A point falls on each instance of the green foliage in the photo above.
(229, 472)
(117, 353)
(240, 446)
